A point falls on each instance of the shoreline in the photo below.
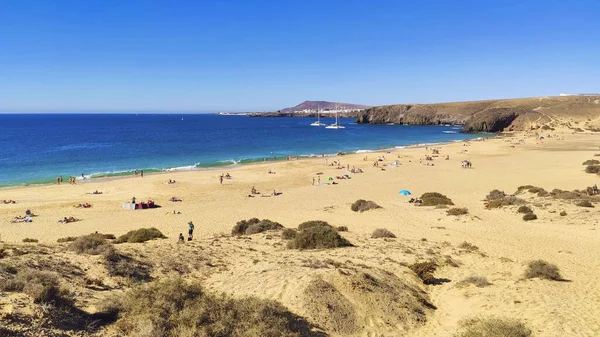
(112, 176)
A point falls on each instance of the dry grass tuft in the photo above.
(478, 281)
(593, 169)
(505, 201)
(382, 233)
(67, 239)
(493, 327)
(435, 198)
(457, 211)
(544, 270)
(176, 308)
(468, 246)
(342, 229)
(41, 286)
(28, 240)
(362, 205)
(496, 195)
(591, 162)
(584, 203)
(122, 265)
(141, 235)
(424, 271)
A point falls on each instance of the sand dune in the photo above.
(368, 288)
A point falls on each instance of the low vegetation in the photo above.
(382, 233)
(435, 198)
(542, 269)
(493, 327)
(362, 205)
(41, 286)
(468, 246)
(584, 203)
(28, 240)
(563, 213)
(593, 169)
(122, 265)
(496, 195)
(424, 271)
(457, 211)
(288, 234)
(508, 200)
(92, 244)
(254, 226)
(317, 235)
(342, 229)
(529, 217)
(176, 308)
(67, 239)
(478, 281)
(141, 235)
(524, 209)
(591, 162)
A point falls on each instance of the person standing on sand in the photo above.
(319, 178)
(221, 179)
(142, 173)
(190, 231)
(313, 181)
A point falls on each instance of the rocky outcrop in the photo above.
(487, 116)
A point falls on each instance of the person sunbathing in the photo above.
(227, 176)
(175, 199)
(10, 201)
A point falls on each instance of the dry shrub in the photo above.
(563, 213)
(288, 234)
(254, 226)
(435, 198)
(542, 269)
(312, 223)
(342, 229)
(317, 235)
(457, 211)
(508, 200)
(41, 286)
(478, 281)
(537, 190)
(529, 217)
(382, 233)
(566, 195)
(584, 203)
(468, 246)
(67, 239)
(593, 169)
(122, 265)
(424, 271)
(92, 244)
(591, 162)
(176, 308)
(141, 235)
(362, 205)
(28, 240)
(496, 195)
(108, 236)
(493, 327)
(524, 209)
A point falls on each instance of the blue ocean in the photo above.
(36, 148)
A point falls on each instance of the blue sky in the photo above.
(265, 55)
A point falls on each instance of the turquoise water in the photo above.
(36, 148)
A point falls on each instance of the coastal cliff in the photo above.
(493, 115)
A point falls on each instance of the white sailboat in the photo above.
(318, 121)
(337, 124)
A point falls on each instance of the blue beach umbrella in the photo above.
(404, 192)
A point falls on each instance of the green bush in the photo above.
(434, 199)
(362, 205)
(424, 271)
(382, 233)
(493, 327)
(529, 217)
(318, 237)
(92, 244)
(141, 235)
(542, 269)
(457, 211)
(288, 234)
(176, 308)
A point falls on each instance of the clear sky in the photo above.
(128, 55)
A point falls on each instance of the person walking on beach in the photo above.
(221, 179)
(313, 181)
(190, 231)
(142, 173)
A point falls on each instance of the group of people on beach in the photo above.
(190, 233)
(224, 176)
(139, 173)
(72, 180)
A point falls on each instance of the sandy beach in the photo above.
(505, 242)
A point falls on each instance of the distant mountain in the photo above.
(323, 105)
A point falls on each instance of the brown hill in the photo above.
(493, 115)
(324, 105)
